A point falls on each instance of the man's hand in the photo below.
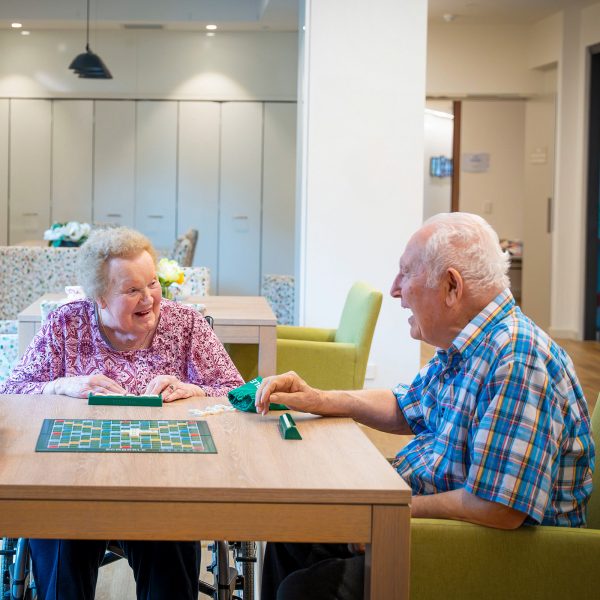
(289, 389)
(81, 385)
(172, 389)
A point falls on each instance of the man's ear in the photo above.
(453, 287)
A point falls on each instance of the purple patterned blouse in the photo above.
(70, 343)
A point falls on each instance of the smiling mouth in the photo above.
(143, 313)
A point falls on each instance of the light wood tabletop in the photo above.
(331, 486)
(238, 320)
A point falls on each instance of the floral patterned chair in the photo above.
(184, 248)
(279, 292)
(196, 283)
(27, 273)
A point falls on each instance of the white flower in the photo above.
(53, 233)
(169, 271)
(74, 230)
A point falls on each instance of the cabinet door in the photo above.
(3, 172)
(241, 170)
(156, 171)
(72, 129)
(29, 188)
(279, 189)
(198, 178)
(114, 162)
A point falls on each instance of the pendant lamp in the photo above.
(87, 64)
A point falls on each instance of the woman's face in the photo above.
(131, 303)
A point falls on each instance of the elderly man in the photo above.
(501, 426)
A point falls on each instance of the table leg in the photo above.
(267, 350)
(387, 561)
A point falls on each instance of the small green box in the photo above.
(287, 428)
(124, 400)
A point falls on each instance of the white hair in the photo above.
(467, 243)
(102, 245)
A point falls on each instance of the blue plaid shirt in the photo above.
(501, 413)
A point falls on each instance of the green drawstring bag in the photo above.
(243, 397)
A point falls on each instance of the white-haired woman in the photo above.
(124, 338)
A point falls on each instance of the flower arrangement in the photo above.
(168, 272)
(72, 233)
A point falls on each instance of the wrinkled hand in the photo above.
(289, 389)
(81, 385)
(172, 389)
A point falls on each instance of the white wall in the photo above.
(581, 28)
(496, 128)
(439, 132)
(361, 173)
(152, 64)
(471, 59)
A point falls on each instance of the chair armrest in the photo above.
(481, 562)
(316, 334)
(325, 365)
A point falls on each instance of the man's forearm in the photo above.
(461, 505)
(375, 408)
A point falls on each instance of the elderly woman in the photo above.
(124, 338)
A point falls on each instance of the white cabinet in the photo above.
(29, 188)
(156, 171)
(240, 214)
(114, 162)
(4, 129)
(279, 189)
(198, 178)
(72, 134)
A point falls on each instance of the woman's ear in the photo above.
(101, 302)
(454, 287)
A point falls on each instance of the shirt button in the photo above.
(446, 376)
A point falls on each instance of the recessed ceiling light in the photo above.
(24, 32)
(16, 25)
(211, 27)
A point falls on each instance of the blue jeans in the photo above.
(68, 569)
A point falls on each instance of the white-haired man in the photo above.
(502, 430)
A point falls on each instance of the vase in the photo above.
(167, 292)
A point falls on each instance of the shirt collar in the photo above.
(472, 335)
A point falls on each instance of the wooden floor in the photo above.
(116, 581)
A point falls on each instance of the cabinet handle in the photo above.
(156, 216)
(30, 214)
(241, 217)
(113, 215)
(549, 216)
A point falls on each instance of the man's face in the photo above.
(426, 303)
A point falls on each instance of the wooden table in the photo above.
(238, 320)
(331, 486)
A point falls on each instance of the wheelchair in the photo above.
(230, 582)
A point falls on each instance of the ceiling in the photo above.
(243, 15)
(229, 15)
(498, 11)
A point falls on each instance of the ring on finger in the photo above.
(172, 387)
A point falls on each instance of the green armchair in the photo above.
(450, 559)
(326, 358)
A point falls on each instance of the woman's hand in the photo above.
(172, 389)
(81, 385)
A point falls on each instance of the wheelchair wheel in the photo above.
(21, 583)
(7, 556)
(245, 560)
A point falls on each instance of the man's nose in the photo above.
(396, 292)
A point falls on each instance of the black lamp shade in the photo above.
(90, 66)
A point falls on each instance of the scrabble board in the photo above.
(143, 435)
